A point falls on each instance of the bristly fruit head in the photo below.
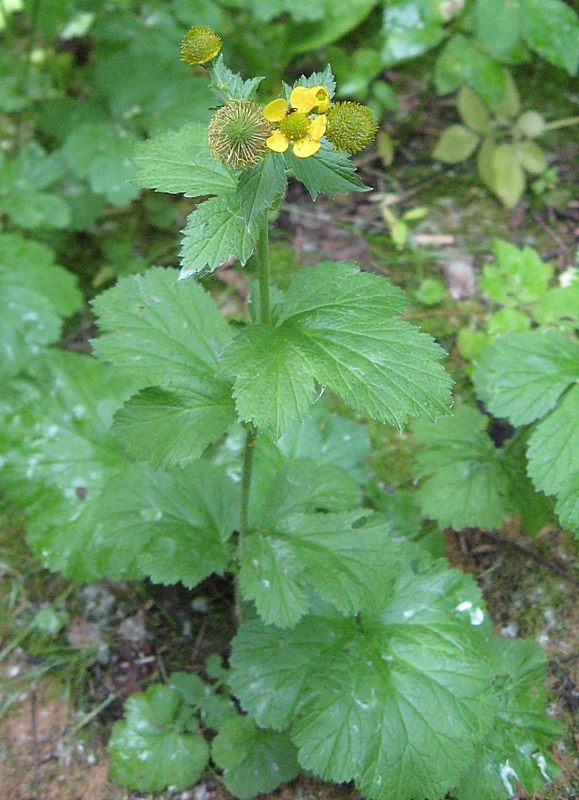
(351, 126)
(200, 45)
(237, 134)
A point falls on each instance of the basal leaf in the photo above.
(522, 375)
(466, 483)
(397, 700)
(261, 186)
(35, 296)
(162, 331)
(180, 162)
(531, 157)
(169, 527)
(551, 27)
(516, 749)
(327, 171)
(253, 760)
(168, 428)
(217, 232)
(460, 62)
(148, 751)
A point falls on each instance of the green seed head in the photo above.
(295, 125)
(351, 126)
(237, 134)
(200, 45)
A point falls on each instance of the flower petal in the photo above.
(304, 148)
(317, 127)
(303, 99)
(277, 142)
(276, 110)
(323, 98)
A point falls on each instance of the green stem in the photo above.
(561, 123)
(244, 509)
(264, 274)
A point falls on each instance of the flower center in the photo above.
(295, 125)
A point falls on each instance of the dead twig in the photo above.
(554, 566)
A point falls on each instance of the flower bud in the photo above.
(237, 134)
(351, 126)
(200, 44)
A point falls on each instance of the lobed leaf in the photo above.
(148, 751)
(253, 760)
(397, 701)
(522, 375)
(36, 295)
(180, 162)
(466, 483)
(216, 232)
(327, 171)
(336, 327)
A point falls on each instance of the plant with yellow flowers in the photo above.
(358, 655)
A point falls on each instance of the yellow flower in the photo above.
(295, 121)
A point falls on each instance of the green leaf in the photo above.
(466, 482)
(180, 162)
(558, 305)
(148, 751)
(340, 16)
(498, 25)
(153, 324)
(568, 504)
(415, 671)
(253, 760)
(507, 320)
(516, 749)
(328, 440)
(456, 144)
(473, 111)
(508, 176)
(410, 28)
(169, 527)
(552, 29)
(485, 161)
(327, 171)
(336, 327)
(554, 446)
(531, 124)
(522, 375)
(509, 104)
(35, 296)
(214, 709)
(261, 186)
(531, 157)
(170, 428)
(216, 232)
(517, 277)
(345, 558)
(460, 62)
(273, 383)
(229, 85)
(102, 153)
